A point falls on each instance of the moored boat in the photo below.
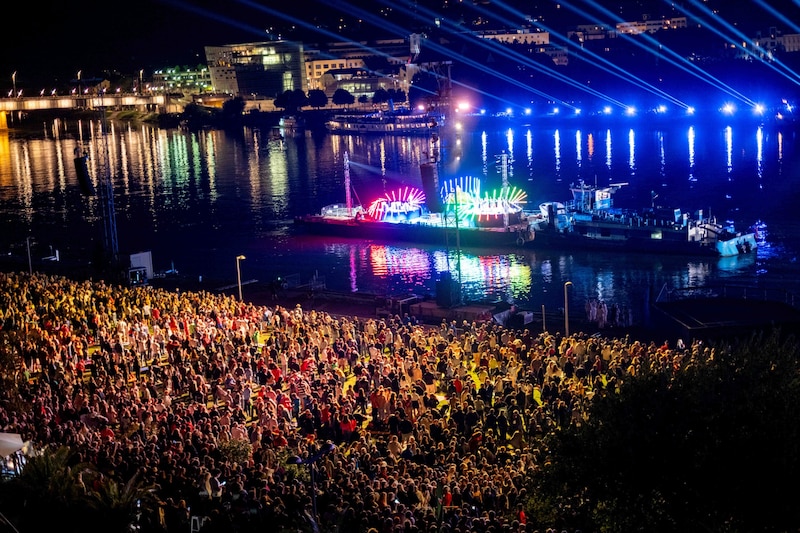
(387, 123)
(463, 217)
(590, 221)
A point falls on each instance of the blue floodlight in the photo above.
(728, 109)
(555, 111)
(527, 110)
(607, 110)
(690, 110)
(661, 109)
(630, 111)
(758, 109)
(577, 110)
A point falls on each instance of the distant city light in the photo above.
(630, 111)
(690, 110)
(527, 110)
(661, 109)
(508, 111)
(555, 111)
(607, 110)
(577, 111)
(758, 109)
(728, 109)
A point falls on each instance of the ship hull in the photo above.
(470, 237)
(622, 238)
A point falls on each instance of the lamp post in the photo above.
(14, 81)
(239, 258)
(30, 263)
(566, 308)
(141, 73)
(310, 461)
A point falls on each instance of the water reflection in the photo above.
(201, 198)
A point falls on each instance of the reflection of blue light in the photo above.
(728, 109)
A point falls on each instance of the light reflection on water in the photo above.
(198, 199)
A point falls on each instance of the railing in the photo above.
(741, 292)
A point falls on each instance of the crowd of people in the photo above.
(355, 423)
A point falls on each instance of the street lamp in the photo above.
(566, 309)
(79, 83)
(310, 461)
(239, 274)
(14, 81)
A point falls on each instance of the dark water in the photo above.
(199, 199)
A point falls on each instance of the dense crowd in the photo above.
(395, 426)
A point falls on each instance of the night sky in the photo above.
(47, 43)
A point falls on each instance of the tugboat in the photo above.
(590, 221)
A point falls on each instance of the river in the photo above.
(199, 199)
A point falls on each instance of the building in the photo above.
(360, 82)
(317, 68)
(253, 70)
(647, 25)
(536, 38)
(186, 81)
(766, 46)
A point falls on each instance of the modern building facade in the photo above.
(260, 69)
(186, 81)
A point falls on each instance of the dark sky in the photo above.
(46, 43)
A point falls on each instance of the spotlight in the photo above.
(630, 111)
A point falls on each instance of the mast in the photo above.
(348, 198)
(504, 196)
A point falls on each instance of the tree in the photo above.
(298, 99)
(710, 447)
(234, 107)
(116, 505)
(282, 101)
(317, 98)
(398, 96)
(291, 101)
(49, 494)
(363, 99)
(381, 96)
(343, 97)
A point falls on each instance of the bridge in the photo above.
(84, 101)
